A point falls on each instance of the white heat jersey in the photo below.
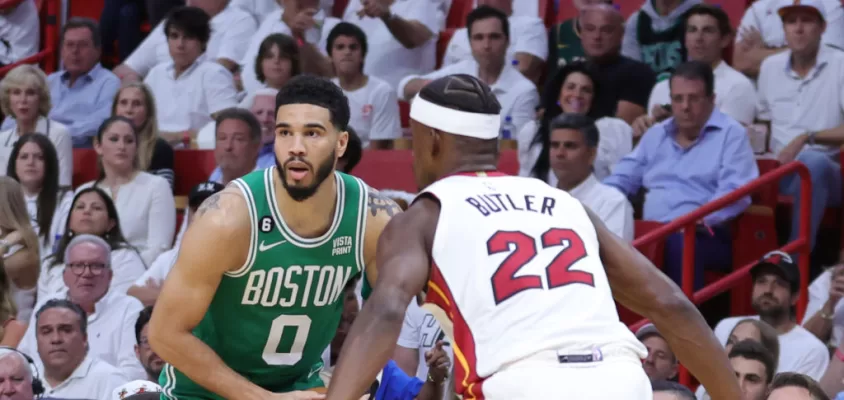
(517, 270)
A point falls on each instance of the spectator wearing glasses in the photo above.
(111, 316)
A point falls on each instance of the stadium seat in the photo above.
(339, 8)
(192, 167)
(457, 13)
(442, 44)
(84, 166)
(404, 113)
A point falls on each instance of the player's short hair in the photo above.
(486, 12)
(578, 122)
(682, 392)
(193, 22)
(786, 379)
(752, 350)
(68, 305)
(243, 115)
(354, 151)
(143, 320)
(310, 89)
(462, 92)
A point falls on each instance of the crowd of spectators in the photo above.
(651, 116)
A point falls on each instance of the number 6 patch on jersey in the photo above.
(266, 224)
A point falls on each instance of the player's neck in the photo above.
(308, 218)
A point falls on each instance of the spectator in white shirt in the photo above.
(277, 61)
(573, 147)
(71, 371)
(528, 47)
(573, 90)
(258, 9)
(402, 35)
(372, 101)
(303, 23)
(776, 285)
(91, 212)
(19, 31)
(188, 90)
(25, 97)
(760, 33)
(33, 163)
(801, 97)
(148, 285)
(708, 33)
(18, 246)
(489, 36)
(144, 201)
(825, 314)
(152, 363)
(231, 29)
(419, 334)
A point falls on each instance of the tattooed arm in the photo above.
(381, 210)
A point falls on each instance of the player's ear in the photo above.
(436, 142)
(342, 143)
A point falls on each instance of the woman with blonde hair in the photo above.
(11, 328)
(25, 98)
(135, 102)
(19, 246)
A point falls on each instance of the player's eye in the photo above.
(283, 132)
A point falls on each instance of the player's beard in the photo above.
(323, 171)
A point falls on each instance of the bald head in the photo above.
(602, 28)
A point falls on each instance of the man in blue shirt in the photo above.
(694, 157)
(82, 92)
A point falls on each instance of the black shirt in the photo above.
(162, 161)
(621, 79)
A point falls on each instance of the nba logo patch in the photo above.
(367, 109)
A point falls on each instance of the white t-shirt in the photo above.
(147, 213)
(818, 295)
(93, 379)
(763, 16)
(56, 229)
(374, 111)
(203, 89)
(609, 204)
(527, 35)
(421, 332)
(734, 94)
(20, 29)
(800, 351)
(387, 58)
(517, 94)
(796, 105)
(231, 30)
(160, 268)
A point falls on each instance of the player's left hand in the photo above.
(438, 362)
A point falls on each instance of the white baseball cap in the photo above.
(793, 5)
(134, 388)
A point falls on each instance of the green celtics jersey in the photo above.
(565, 46)
(272, 319)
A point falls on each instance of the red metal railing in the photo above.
(689, 220)
(46, 57)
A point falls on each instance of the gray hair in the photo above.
(9, 352)
(93, 239)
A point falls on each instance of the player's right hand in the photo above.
(297, 395)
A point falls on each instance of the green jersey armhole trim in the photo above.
(253, 230)
(292, 237)
(361, 228)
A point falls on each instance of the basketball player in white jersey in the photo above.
(521, 271)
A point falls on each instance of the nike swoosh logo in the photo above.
(314, 372)
(264, 247)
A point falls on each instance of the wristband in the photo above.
(839, 355)
(828, 317)
(431, 378)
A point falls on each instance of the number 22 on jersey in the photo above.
(506, 284)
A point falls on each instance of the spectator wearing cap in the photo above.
(489, 29)
(148, 285)
(707, 33)
(110, 316)
(760, 33)
(137, 390)
(669, 390)
(716, 145)
(801, 98)
(373, 106)
(794, 386)
(153, 364)
(528, 48)
(661, 364)
(71, 371)
(776, 286)
(754, 366)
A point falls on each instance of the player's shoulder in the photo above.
(226, 209)
(381, 208)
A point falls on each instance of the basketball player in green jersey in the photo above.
(256, 293)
